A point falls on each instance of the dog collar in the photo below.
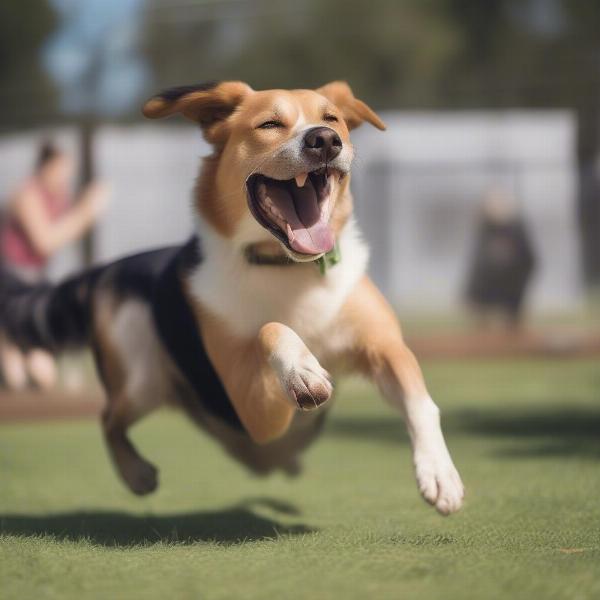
(254, 257)
(324, 262)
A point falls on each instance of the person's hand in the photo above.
(96, 198)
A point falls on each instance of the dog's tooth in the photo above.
(326, 210)
(289, 232)
(268, 203)
(301, 179)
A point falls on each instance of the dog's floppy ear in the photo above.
(355, 111)
(207, 103)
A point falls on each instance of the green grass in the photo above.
(525, 435)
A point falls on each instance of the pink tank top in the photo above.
(15, 248)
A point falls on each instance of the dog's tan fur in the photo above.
(271, 368)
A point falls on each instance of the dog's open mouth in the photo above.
(296, 211)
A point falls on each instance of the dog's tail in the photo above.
(43, 315)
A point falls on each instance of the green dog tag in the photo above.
(332, 258)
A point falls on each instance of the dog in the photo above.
(242, 325)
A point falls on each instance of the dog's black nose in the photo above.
(322, 143)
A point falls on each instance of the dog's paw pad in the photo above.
(439, 483)
(309, 385)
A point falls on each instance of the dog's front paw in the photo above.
(307, 383)
(439, 481)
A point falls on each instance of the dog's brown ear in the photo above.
(207, 103)
(355, 111)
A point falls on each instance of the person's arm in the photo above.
(47, 235)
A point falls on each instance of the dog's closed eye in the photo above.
(273, 124)
(330, 118)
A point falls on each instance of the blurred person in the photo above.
(40, 219)
(503, 261)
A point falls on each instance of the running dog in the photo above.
(242, 325)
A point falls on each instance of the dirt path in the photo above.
(563, 344)
(58, 404)
(560, 343)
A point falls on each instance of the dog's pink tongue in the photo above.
(316, 239)
(308, 231)
(315, 235)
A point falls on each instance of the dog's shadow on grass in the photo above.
(233, 525)
(388, 430)
(549, 432)
(544, 432)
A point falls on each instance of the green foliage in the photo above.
(26, 95)
(412, 53)
(396, 54)
(393, 52)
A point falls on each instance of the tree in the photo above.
(27, 97)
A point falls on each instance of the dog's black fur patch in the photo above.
(174, 93)
(178, 331)
(47, 316)
(59, 316)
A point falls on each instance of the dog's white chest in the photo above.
(248, 296)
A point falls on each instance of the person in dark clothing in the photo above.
(503, 261)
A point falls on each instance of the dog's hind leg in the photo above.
(131, 366)
(121, 413)
(140, 476)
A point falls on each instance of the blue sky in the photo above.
(93, 55)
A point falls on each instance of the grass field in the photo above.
(525, 435)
